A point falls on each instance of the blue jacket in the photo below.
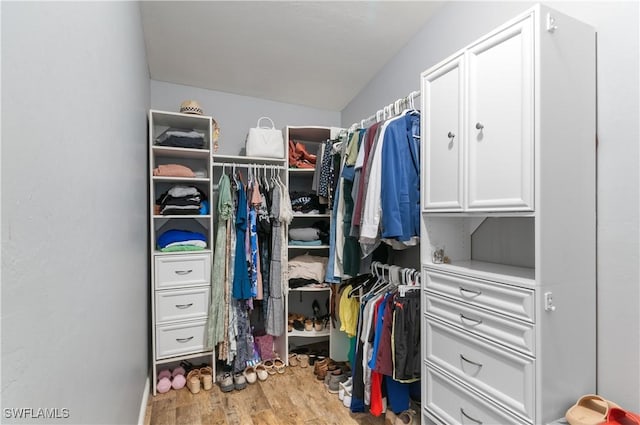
(400, 197)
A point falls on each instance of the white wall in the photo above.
(457, 24)
(74, 205)
(235, 114)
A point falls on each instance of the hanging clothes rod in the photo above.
(248, 165)
(390, 110)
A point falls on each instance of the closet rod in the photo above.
(247, 165)
(388, 111)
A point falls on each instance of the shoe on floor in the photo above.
(406, 418)
(336, 378)
(343, 386)
(226, 383)
(262, 373)
(250, 375)
(239, 382)
(591, 409)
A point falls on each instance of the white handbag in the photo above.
(265, 141)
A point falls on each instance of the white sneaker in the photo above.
(346, 400)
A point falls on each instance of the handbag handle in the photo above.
(273, 126)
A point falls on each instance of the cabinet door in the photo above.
(442, 91)
(500, 121)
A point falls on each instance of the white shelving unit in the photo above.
(300, 300)
(508, 331)
(180, 281)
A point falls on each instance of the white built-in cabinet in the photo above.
(480, 106)
(508, 192)
(180, 281)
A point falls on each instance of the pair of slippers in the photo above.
(171, 379)
(592, 409)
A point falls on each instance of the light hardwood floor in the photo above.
(295, 397)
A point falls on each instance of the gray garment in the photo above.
(275, 306)
(304, 234)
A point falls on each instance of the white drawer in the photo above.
(452, 404)
(513, 333)
(510, 300)
(182, 270)
(182, 304)
(181, 338)
(501, 374)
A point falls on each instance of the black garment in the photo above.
(182, 142)
(305, 202)
(298, 282)
(406, 337)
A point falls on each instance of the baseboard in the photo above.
(145, 400)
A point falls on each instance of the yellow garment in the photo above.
(349, 308)
(352, 149)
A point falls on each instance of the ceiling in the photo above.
(313, 53)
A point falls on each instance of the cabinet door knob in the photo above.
(479, 126)
(451, 135)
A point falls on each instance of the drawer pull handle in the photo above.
(183, 306)
(470, 291)
(475, 321)
(183, 340)
(469, 361)
(469, 417)
(183, 272)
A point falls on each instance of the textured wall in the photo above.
(74, 210)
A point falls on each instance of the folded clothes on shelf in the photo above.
(304, 234)
(181, 240)
(294, 242)
(308, 267)
(173, 170)
(181, 138)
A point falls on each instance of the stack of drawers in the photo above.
(182, 293)
(479, 349)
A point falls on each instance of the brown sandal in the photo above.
(193, 381)
(278, 365)
(206, 377)
(293, 359)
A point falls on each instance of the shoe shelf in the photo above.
(175, 359)
(302, 170)
(309, 334)
(310, 289)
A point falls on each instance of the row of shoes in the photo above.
(337, 380)
(238, 381)
(301, 323)
(178, 378)
(299, 157)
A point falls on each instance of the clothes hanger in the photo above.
(264, 177)
(374, 277)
